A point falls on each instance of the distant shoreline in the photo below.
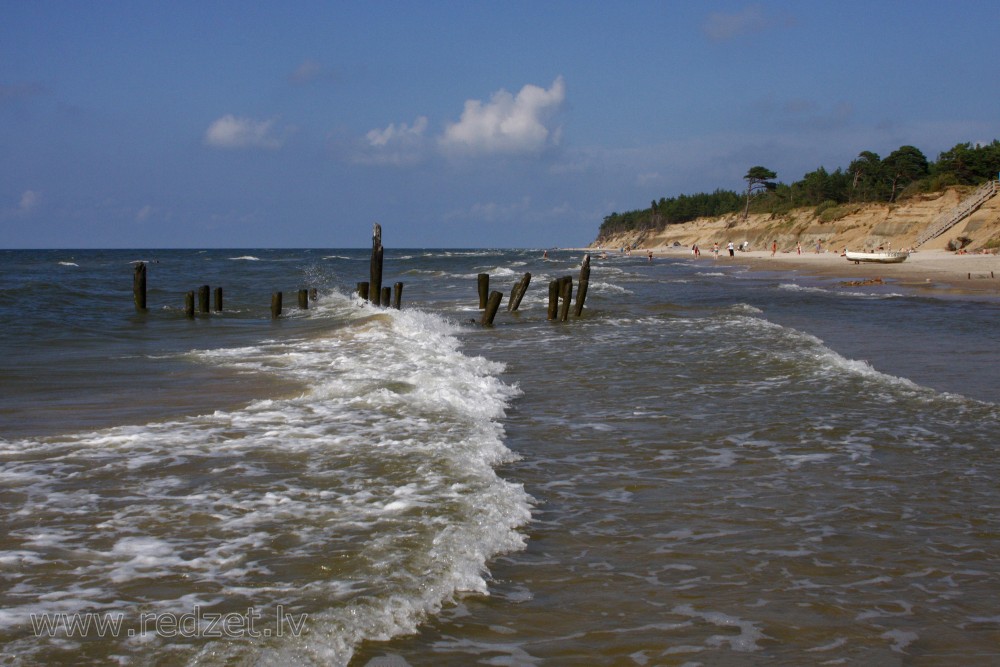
(939, 271)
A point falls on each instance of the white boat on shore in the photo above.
(880, 256)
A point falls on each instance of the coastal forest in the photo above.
(868, 178)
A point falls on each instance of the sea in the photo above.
(711, 465)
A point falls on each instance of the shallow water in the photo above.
(712, 466)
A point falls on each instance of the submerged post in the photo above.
(304, 299)
(386, 296)
(517, 293)
(363, 291)
(483, 280)
(218, 299)
(375, 289)
(566, 294)
(581, 290)
(139, 287)
(397, 295)
(275, 305)
(492, 305)
(553, 298)
(203, 292)
(189, 305)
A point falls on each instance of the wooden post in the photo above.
(484, 289)
(553, 299)
(275, 305)
(139, 287)
(218, 299)
(581, 290)
(517, 293)
(492, 305)
(375, 288)
(386, 296)
(304, 299)
(313, 294)
(397, 295)
(189, 305)
(363, 291)
(203, 299)
(566, 294)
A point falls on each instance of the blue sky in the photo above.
(454, 124)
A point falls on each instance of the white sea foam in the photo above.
(381, 473)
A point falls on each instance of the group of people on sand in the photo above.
(730, 247)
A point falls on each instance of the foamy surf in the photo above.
(360, 507)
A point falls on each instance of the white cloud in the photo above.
(508, 123)
(400, 144)
(29, 200)
(233, 132)
(143, 214)
(720, 26)
(401, 133)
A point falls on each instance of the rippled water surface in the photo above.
(711, 466)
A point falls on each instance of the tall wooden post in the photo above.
(203, 292)
(566, 295)
(218, 299)
(275, 305)
(189, 305)
(139, 287)
(517, 293)
(553, 298)
(397, 295)
(492, 305)
(581, 290)
(375, 277)
(483, 280)
(304, 299)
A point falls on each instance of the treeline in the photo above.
(868, 178)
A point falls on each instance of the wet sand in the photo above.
(932, 269)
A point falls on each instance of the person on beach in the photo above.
(798, 248)
(649, 255)
(732, 249)
(774, 247)
(715, 250)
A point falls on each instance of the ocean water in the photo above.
(712, 466)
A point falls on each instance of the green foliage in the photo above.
(868, 178)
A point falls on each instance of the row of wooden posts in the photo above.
(560, 291)
(139, 296)
(373, 291)
(560, 295)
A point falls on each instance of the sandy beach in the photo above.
(937, 270)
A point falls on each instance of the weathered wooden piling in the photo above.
(492, 305)
(375, 289)
(313, 294)
(304, 299)
(203, 293)
(363, 291)
(566, 295)
(386, 296)
(139, 287)
(189, 304)
(275, 305)
(553, 299)
(397, 295)
(483, 281)
(218, 299)
(517, 293)
(581, 290)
